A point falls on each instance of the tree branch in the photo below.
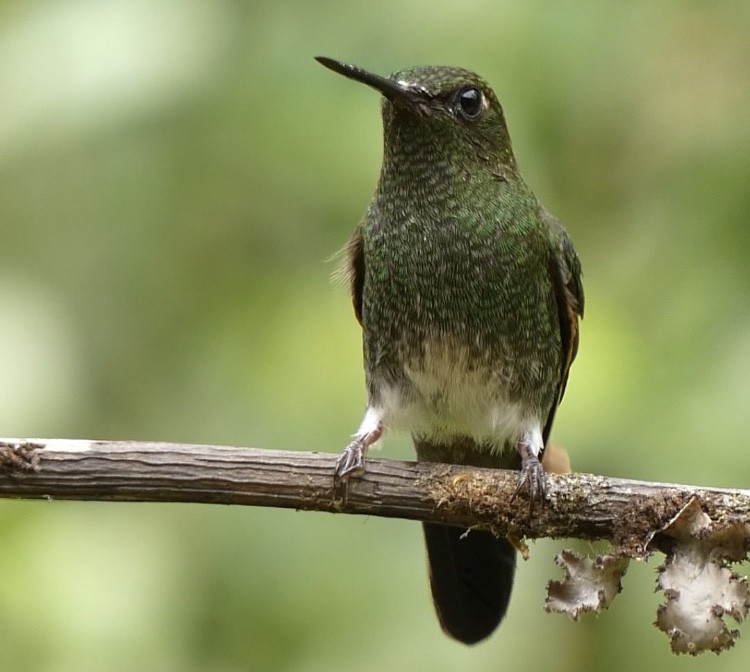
(701, 530)
(578, 505)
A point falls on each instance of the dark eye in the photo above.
(469, 102)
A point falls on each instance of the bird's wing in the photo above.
(352, 269)
(565, 273)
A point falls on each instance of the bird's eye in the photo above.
(470, 102)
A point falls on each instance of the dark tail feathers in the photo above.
(471, 577)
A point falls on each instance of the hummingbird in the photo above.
(469, 295)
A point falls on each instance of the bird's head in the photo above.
(445, 110)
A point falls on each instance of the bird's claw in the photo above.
(351, 462)
(531, 479)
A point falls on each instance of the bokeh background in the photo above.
(174, 175)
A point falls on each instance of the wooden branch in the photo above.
(629, 513)
(701, 530)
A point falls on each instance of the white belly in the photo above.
(446, 396)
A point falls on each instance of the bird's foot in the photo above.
(530, 477)
(351, 462)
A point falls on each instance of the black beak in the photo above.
(406, 94)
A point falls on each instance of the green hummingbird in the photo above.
(469, 294)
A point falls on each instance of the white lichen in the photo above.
(698, 585)
(589, 585)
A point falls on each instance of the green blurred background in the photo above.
(174, 175)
